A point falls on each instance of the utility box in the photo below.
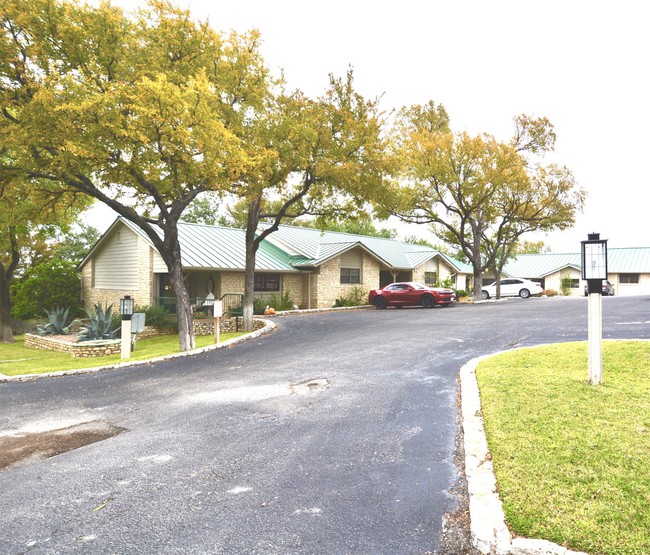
(137, 326)
(137, 322)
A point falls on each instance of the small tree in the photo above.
(565, 284)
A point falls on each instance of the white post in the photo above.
(126, 338)
(218, 313)
(595, 337)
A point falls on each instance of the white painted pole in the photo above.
(126, 338)
(218, 313)
(595, 337)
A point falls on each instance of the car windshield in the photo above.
(419, 286)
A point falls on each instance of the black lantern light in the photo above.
(127, 305)
(594, 262)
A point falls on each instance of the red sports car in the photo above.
(411, 294)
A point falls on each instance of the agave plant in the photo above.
(59, 322)
(99, 325)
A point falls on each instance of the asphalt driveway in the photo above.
(335, 434)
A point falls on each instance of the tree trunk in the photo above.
(249, 271)
(6, 275)
(6, 333)
(183, 306)
(249, 284)
(477, 266)
(170, 250)
(478, 281)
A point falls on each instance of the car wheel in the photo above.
(524, 293)
(428, 301)
(380, 303)
(485, 295)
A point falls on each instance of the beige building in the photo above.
(628, 270)
(314, 268)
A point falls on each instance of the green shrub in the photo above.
(101, 324)
(447, 283)
(59, 322)
(258, 306)
(565, 284)
(356, 297)
(158, 317)
(52, 283)
(461, 293)
(285, 302)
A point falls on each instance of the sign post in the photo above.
(218, 313)
(127, 305)
(594, 271)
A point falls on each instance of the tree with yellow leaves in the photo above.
(476, 192)
(143, 112)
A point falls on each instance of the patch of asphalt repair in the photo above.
(24, 446)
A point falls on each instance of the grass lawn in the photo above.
(572, 460)
(15, 359)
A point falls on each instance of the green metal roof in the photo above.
(314, 247)
(540, 265)
(223, 248)
(619, 261)
(218, 248)
(286, 250)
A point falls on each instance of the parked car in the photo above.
(608, 288)
(513, 287)
(411, 294)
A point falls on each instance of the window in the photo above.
(575, 283)
(267, 282)
(430, 278)
(397, 287)
(350, 275)
(629, 278)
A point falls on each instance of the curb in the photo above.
(268, 328)
(488, 529)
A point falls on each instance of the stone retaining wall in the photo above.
(86, 349)
(205, 326)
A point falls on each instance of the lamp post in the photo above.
(126, 310)
(594, 271)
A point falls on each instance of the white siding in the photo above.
(117, 263)
(159, 266)
(629, 289)
(352, 259)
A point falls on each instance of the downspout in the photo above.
(309, 274)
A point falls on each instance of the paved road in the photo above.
(334, 434)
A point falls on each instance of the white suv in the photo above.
(513, 287)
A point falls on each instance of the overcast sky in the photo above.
(584, 65)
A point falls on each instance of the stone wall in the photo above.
(326, 284)
(231, 282)
(205, 326)
(296, 285)
(87, 349)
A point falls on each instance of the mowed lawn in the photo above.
(572, 460)
(15, 359)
